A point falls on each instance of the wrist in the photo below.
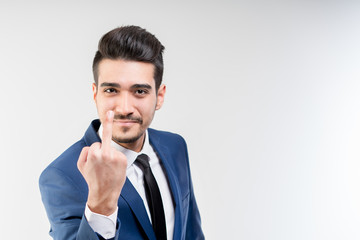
(104, 207)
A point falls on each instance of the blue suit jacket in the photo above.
(64, 193)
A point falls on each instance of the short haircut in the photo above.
(131, 43)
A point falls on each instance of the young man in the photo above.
(123, 180)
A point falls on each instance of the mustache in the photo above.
(128, 117)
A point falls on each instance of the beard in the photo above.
(130, 139)
(121, 137)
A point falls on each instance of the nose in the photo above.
(124, 105)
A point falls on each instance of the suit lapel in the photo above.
(133, 199)
(165, 157)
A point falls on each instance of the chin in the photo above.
(127, 137)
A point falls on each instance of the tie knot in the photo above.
(142, 161)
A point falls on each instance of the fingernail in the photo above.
(110, 114)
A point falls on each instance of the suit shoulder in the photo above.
(70, 154)
(66, 162)
(169, 136)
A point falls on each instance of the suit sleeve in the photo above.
(65, 208)
(193, 223)
(193, 228)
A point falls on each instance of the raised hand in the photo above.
(104, 169)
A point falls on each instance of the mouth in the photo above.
(121, 119)
(126, 122)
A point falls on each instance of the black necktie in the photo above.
(153, 197)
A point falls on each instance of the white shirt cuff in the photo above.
(103, 225)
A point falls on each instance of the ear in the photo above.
(160, 96)
(94, 88)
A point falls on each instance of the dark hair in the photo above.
(131, 43)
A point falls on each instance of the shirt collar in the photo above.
(130, 154)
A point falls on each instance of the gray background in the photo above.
(266, 94)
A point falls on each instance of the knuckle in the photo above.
(121, 160)
(95, 145)
(105, 155)
(79, 166)
(93, 155)
(124, 164)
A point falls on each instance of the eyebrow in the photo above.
(108, 84)
(147, 86)
(135, 86)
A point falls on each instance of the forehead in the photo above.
(125, 72)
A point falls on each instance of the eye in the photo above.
(141, 92)
(110, 90)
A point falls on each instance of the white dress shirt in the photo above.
(106, 225)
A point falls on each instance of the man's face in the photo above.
(128, 89)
